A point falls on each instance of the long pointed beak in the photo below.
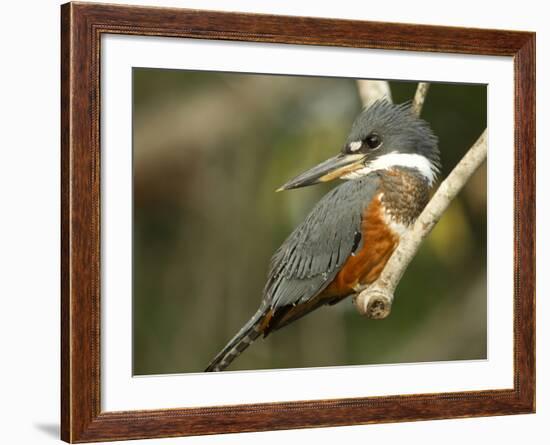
(328, 170)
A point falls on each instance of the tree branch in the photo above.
(376, 300)
(420, 97)
(372, 90)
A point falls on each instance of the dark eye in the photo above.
(373, 140)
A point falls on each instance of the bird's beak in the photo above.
(328, 170)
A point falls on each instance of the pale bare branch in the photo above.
(420, 97)
(372, 90)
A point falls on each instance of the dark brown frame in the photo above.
(81, 28)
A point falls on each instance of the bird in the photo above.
(388, 164)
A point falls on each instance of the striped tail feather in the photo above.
(242, 340)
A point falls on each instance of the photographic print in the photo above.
(264, 204)
(273, 222)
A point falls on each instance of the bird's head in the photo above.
(383, 136)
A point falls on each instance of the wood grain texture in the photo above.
(81, 28)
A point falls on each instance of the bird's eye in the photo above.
(373, 140)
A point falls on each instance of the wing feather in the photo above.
(315, 251)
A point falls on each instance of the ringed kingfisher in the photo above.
(390, 161)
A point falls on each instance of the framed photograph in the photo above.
(274, 222)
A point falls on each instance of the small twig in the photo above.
(372, 90)
(376, 300)
(420, 97)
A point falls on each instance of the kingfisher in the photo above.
(389, 163)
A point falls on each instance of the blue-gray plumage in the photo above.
(314, 252)
(391, 159)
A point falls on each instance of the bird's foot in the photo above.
(358, 288)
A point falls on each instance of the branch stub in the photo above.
(374, 303)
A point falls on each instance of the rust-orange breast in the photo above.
(364, 267)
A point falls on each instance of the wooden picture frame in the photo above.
(82, 26)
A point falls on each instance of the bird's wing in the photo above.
(313, 254)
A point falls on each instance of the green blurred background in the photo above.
(210, 149)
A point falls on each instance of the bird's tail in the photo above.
(244, 338)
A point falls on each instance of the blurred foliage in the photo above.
(209, 150)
